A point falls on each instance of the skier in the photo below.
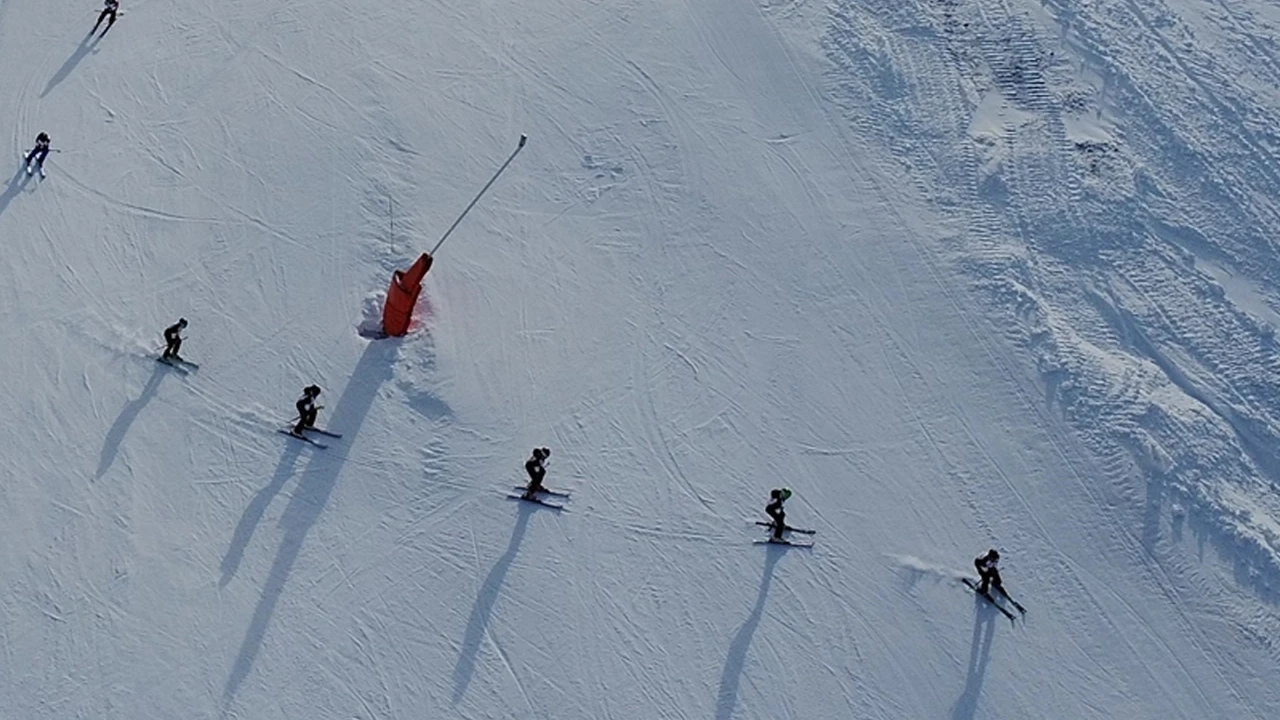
(109, 14)
(777, 496)
(173, 341)
(307, 409)
(537, 470)
(988, 572)
(38, 153)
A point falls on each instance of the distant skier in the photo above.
(173, 340)
(989, 572)
(37, 154)
(307, 409)
(109, 14)
(774, 509)
(537, 469)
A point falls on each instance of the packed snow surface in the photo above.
(961, 273)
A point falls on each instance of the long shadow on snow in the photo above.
(984, 629)
(727, 698)
(310, 497)
(16, 184)
(120, 428)
(88, 43)
(478, 623)
(257, 508)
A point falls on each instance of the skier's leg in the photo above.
(101, 16)
(995, 582)
(177, 344)
(779, 524)
(535, 483)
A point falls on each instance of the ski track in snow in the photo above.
(963, 273)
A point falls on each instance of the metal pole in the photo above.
(523, 139)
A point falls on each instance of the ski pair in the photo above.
(545, 491)
(181, 366)
(973, 585)
(537, 501)
(783, 541)
(308, 440)
(788, 528)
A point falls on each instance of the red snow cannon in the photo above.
(402, 296)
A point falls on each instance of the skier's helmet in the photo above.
(182, 322)
(775, 493)
(786, 493)
(993, 554)
(313, 390)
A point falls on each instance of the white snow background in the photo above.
(961, 273)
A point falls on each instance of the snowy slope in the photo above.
(962, 274)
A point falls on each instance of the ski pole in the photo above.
(476, 199)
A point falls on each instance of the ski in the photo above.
(553, 493)
(179, 368)
(974, 587)
(322, 431)
(787, 528)
(788, 543)
(303, 438)
(536, 501)
(188, 363)
(1013, 602)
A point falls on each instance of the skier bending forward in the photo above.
(777, 496)
(989, 572)
(38, 153)
(537, 470)
(307, 409)
(109, 14)
(173, 340)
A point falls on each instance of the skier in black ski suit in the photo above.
(109, 14)
(777, 496)
(173, 341)
(307, 409)
(38, 153)
(989, 572)
(537, 470)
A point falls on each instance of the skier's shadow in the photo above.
(16, 184)
(257, 508)
(984, 628)
(731, 675)
(89, 42)
(478, 623)
(120, 428)
(307, 502)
